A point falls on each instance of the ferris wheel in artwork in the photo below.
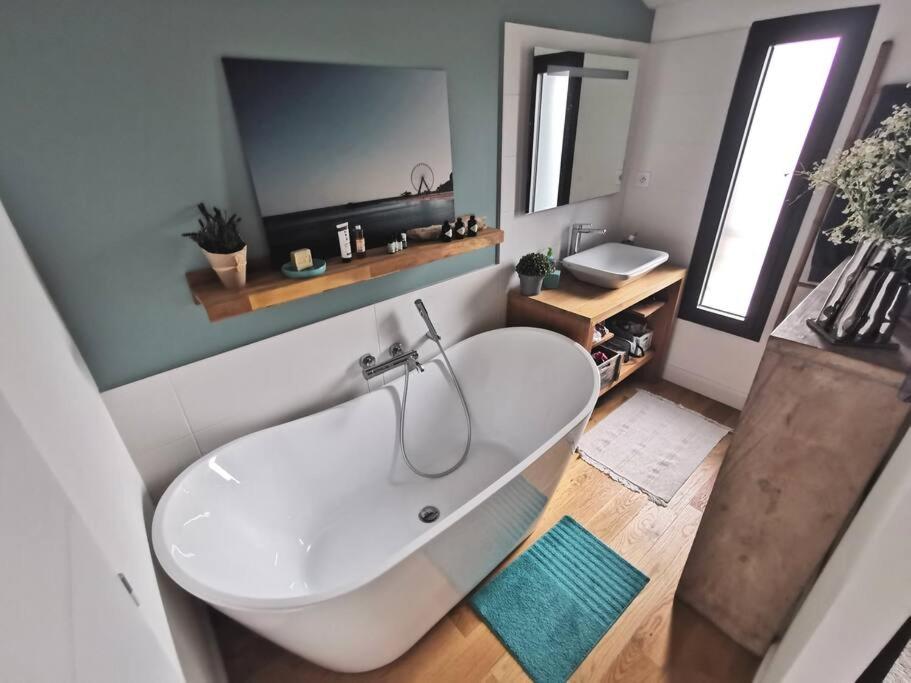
(422, 178)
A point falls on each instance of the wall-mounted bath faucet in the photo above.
(575, 235)
(397, 356)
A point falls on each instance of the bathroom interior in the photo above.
(480, 341)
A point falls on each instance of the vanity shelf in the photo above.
(576, 307)
(646, 308)
(627, 369)
(266, 286)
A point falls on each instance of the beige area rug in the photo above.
(901, 670)
(651, 445)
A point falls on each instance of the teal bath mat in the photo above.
(554, 602)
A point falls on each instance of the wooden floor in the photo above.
(654, 640)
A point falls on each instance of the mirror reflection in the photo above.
(580, 115)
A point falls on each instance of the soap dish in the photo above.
(318, 268)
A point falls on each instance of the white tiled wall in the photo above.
(171, 419)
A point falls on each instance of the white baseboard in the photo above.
(705, 386)
(763, 669)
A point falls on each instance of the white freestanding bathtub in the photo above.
(308, 532)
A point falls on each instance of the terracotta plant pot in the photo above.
(230, 268)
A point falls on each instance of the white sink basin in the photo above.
(613, 265)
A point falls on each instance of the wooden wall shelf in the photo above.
(266, 286)
(575, 308)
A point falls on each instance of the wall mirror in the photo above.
(579, 122)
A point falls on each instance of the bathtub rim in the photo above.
(233, 601)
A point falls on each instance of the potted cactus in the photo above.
(223, 246)
(532, 268)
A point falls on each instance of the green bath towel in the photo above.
(553, 603)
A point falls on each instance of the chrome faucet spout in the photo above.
(579, 229)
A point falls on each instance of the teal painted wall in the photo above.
(115, 121)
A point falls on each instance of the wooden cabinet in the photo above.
(576, 307)
(816, 427)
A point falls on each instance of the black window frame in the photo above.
(854, 26)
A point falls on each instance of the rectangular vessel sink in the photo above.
(613, 265)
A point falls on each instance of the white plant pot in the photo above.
(230, 268)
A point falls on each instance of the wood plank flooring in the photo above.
(655, 639)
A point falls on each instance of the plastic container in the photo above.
(621, 346)
(640, 342)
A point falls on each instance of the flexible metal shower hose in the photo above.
(455, 380)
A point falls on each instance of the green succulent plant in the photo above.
(535, 264)
(217, 232)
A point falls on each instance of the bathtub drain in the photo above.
(429, 514)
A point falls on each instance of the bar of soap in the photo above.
(301, 259)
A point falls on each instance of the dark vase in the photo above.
(867, 301)
(839, 294)
(893, 312)
(880, 304)
(854, 312)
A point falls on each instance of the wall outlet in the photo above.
(643, 178)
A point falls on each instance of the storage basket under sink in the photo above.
(609, 369)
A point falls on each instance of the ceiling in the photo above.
(654, 4)
(661, 3)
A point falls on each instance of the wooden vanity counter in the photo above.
(576, 307)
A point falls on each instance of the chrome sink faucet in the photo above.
(397, 356)
(575, 235)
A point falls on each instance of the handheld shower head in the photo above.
(431, 330)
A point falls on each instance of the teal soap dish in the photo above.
(318, 268)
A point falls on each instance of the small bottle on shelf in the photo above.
(446, 232)
(404, 240)
(460, 231)
(472, 226)
(360, 243)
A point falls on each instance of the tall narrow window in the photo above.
(794, 81)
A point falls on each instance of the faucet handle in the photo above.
(397, 349)
(367, 361)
